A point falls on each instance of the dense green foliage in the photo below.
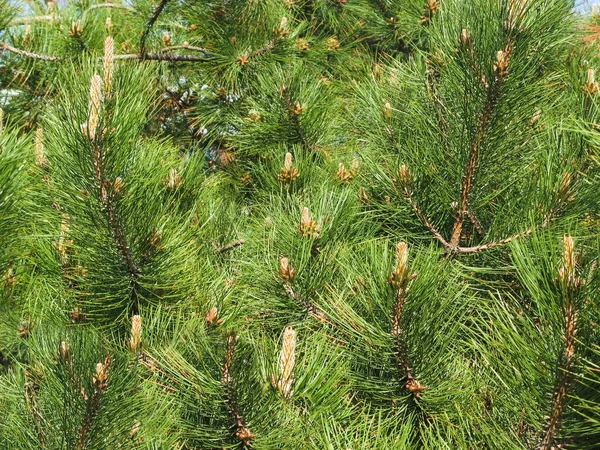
(299, 224)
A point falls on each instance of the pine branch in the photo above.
(107, 200)
(493, 93)
(93, 402)
(167, 57)
(230, 246)
(32, 404)
(572, 282)
(423, 218)
(5, 46)
(400, 279)
(242, 431)
(310, 307)
(149, 25)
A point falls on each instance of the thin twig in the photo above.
(230, 246)
(424, 219)
(187, 47)
(243, 433)
(5, 46)
(168, 57)
(149, 24)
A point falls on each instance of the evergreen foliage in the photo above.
(299, 224)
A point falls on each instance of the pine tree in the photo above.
(299, 224)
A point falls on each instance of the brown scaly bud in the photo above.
(109, 57)
(344, 174)
(9, 277)
(297, 108)
(24, 330)
(101, 377)
(245, 435)
(387, 110)
(108, 25)
(288, 172)
(591, 86)
(253, 116)
(332, 44)
(166, 38)
(404, 174)
(308, 226)
(282, 31)
(302, 44)
(400, 276)
(96, 99)
(1, 121)
(63, 350)
(564, 189)
(242, 60)
(431, 8)
(40, 154)
(567, 270)
(465, 39)
(414, 387)
(75, 30)
(362, 194)
(78, 316)
(212, 316)
(501, 66)
(174, 180)
(118, 185)
(62, 245)
(287, 359)
(135, 340)
(536, 117)
(286, 270)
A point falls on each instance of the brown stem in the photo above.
(312, 309)
(562, 380)
(400, 279)
(108, 203)
(475, 221)
(5, 46)
(493, 93)
(167, 57)
(230, 246)
(242, 431)
(423, 218)
(92, 407)
(149, 25)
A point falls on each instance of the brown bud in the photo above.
(286, 270)
(101, 377)
(591, 86)
(287, 359)
(332, 44)
(96, 100)
(387, 109)
(343, 174)
(109, 57)
(174, 180)
(404, 174)
(414, 387)
(288, 172)
(308, 226)
(75, 30)
(40, 155)
(211, 316)
(135, 341)
(166, 38)
(501, 66)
